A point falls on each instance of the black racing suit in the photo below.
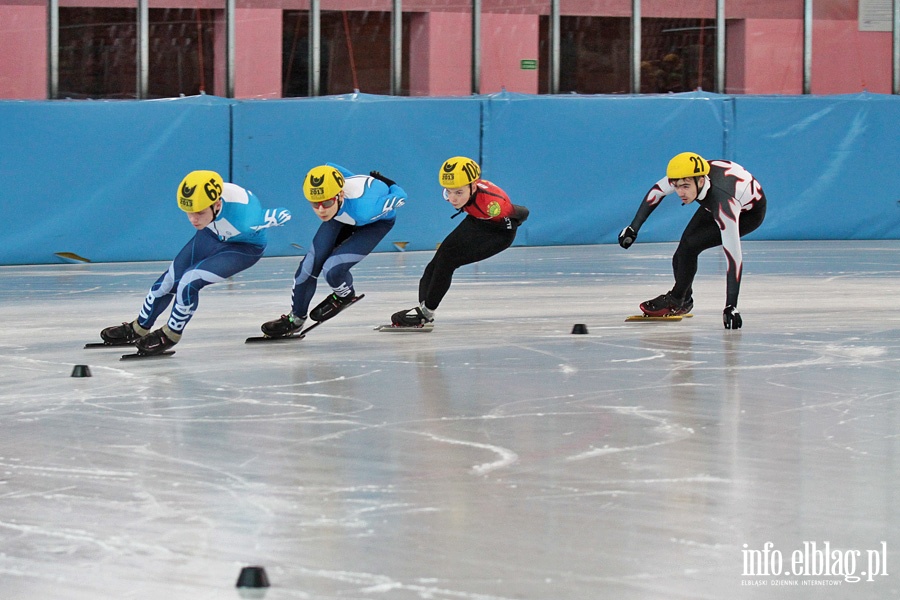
(732, 204)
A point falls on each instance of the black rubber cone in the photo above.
(579, 328)
(253, 577)
(81, 371)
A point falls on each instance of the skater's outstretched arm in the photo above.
(651, 200)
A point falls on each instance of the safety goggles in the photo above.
(325, 203)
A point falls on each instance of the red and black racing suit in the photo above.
(488, 229)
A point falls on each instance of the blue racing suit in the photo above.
(364, 218)
(232, 242)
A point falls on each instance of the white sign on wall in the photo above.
(876, 15)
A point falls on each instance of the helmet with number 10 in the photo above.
(458, 172)
(687, 164)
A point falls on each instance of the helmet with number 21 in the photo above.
(687, 164)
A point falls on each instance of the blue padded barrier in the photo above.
(406, 139)
(829, 165)
(98, 179)
(582, 164)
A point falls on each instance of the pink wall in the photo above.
(764, 55)
(219, 50)
(735, 42)
(691, 9)
(257, 53)
(440, 54)
(23, 52)
(506, 40)
(772, 56)
(847, 60)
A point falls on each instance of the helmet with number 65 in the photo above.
(199, 190)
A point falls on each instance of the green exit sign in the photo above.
(528, 64)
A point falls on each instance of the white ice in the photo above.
(499, 457)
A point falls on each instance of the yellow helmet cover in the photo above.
(322, 183)
(199, 190)
(687, 164)
(458, 171)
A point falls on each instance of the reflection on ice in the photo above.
(498, 457)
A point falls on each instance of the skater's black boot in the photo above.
(666, 305)
(687, 305)
(285, 326)
(331, 306)
(124, 334)
(157, 342)
(414, 317)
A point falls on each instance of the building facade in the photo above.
(84, 49)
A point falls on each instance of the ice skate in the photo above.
(666, 305)
(121, 335)
(297, 325)
(415, 317)
(155, 343)
(331, 306)
(285, 326)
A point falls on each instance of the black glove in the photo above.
(381, 177)
(520, 213)
(731, 318)
(627, 237)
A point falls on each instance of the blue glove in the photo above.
(627, 237)
(731, 318)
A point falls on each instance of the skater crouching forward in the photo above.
(357, 211)
(231, 237)
(488, 229)
(732, 204)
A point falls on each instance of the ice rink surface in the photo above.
(498, 457)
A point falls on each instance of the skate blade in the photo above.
(405, 329)
(106, 345)
(645, 318)
(262, 338)
(165, 354)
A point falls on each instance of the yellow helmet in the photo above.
(687, 164)
(458, 171)
(199, 190)
(322, 183)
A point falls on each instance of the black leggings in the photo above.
(472, 240)
(703, 233)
